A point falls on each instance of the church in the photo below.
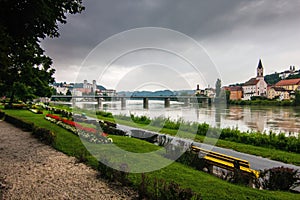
(255, 86)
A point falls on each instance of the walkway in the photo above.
(32, 170)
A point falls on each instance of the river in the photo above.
(245, 118)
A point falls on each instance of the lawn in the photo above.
(271, 153)
(207, 185)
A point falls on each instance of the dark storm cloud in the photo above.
(218, 24)
(102, 19)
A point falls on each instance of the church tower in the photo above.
(260, 70)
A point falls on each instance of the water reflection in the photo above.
(257, 118)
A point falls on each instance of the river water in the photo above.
(245, 118)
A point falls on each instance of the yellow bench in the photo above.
(225, 161)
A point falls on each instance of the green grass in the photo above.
(271, 153)
(207, 185)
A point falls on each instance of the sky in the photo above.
(175, 44)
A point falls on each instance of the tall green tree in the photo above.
(23, 24)
(297, 98)
(218, 87)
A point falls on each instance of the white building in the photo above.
(291, 71)
(255, 86)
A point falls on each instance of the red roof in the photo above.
(235, 88)
(288, 82)
(252, 81)
(279, 89)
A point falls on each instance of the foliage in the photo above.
(15, 106)
(227, 93)
(161, 189)
(218, 87)
(2, 115)
(44, 135)
(272, 79)
(104, 114)
(140, 119)
(267, 102)
(23, 64)
(208, 186)
(109, 129)
(279, 178)
(270, 140)
(297, 98)
(258, 98)
(293, 76)
(28, 126)
(89, 134)
(68, 92)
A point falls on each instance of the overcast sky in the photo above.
(232, 35)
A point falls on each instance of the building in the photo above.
(255, 86)
(278, 92)
(289, 84)
(236, 92)
(199, 91)
(287, 73)
(210, 92)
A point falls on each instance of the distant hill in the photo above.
(100, 87)
(156, 93)
(272, 79)
(153, 94)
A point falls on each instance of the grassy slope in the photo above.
(208, 186)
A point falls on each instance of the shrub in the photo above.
(19, 123)
(161, 189)
(44, 135)
(15, 106)
(140, 120)
(104, 114)
(2, 114)
(111, 174)
(279, 178)
(202, 129)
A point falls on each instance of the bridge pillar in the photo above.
(99, 102)
(123, 102)
(187, 101)
(73, 100)
(167, 102)
(145, 103)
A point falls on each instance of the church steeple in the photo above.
(260, 69)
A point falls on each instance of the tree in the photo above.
(68, 92)
(23, 65)
(218, 87)
(272, 78)
(227, 93)
(297, 98)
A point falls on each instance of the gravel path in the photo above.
(32, 170)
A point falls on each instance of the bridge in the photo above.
(100, 98)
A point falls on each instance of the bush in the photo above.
(279, 178)
(140, 120)
(111, 174)
(19, 123)
(2, 114)
(44, 135)
(110, 128)
(104, 114)
(161, 189)
(15, 106)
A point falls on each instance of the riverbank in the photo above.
(30, 169)
(208, 186)
(273, 146)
